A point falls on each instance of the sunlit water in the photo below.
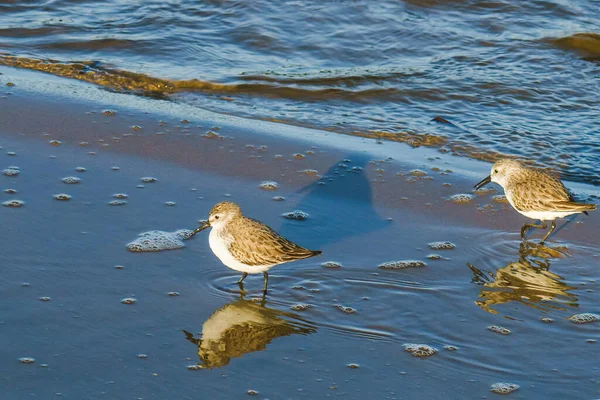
(512, 77)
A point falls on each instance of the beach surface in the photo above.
(99, 321)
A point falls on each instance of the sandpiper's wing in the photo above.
(542, 192)
(257, 244)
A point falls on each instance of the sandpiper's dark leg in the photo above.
(527, 226)
(244, 275)
(552, 227)
(266, 275)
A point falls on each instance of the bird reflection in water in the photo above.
(527, 280)
(241, 327)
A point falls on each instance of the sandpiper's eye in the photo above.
(216, 217)
(495, 171)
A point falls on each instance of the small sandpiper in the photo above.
(535, 194)
(247, 245)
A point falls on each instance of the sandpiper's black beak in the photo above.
(202, 227)
(484, 182)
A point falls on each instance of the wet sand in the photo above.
(370, 210)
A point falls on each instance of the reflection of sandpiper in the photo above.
(241, 327)
(247, 245)
(527, 281)
(535, 194)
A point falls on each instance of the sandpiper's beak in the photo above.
(202, 227)
(484, 182)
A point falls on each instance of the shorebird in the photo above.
(247, 245)
(535, 194)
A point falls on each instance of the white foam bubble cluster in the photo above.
(345, 309)
(402, 264)
(148, 179)
(504, 388)
(269, 185)
(420, 350)
(461, 198)
(499, 329)
(71, 180)
(296, 214)
(301, 307)
(331, 264)
(62, 197)
(159, 241)
(584, 318)
(418, 172)
(11, 171)
(442, 245)
(14, 203)
(117, 202)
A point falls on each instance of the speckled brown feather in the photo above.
(532, 190)
(256, 244)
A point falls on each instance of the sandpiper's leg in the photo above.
(266, 275)
(552, 227)
(244, 275)
(527, 226)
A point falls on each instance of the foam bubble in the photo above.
(142, 356)
(299, 156)
(109, 113)
(14, 203)
(484, 190)
(71, 180)
(296, 214)
(212, 135)
(115, 168)
(45, 298)
(353, 366)
(10, 191)
(461, 198)
(120, 196)
(500, 198)
(148, 179)
(194, 367)
(128, 300)
(117, 202)
(584, 318)
(344, 309)
(159, 241)
(434, 257)
(252, 392)
(55, 142)
(11, 171)
(173, 294)
(504, 388)
(418, 172)
(547, 320)
(301, 307)
(401, 264)
(62, 197)
(331, 264)
(278, 198)
(80, 169)
(442, 245)
(170, 203)
(420, 350)
(450, 348)
(268, 185)
(499, 329)
(11, 153)
(26, 360)
(310, 172)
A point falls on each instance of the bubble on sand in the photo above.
(442, 245)
(344, 309)
(296, 214)
(142, 356)
(148, 179)
(331, 265)
(211, 135)
(353, 366)
(128, 300)
(45, 298)
(62, 197)
(450, 348)
(301, 307)
(115, 168)
(499, 329)
(310, 172)
(117, 202)
(461, 198)
(10, 191)
(10, 84)
(55, 142)
(194, 367)
(547, 320)
(418, 172)
(401, 264)
(159, 240)
(170, 203)
(26, 360)
(173, 294)
(500, 198)
(83, 144)
(269, 185)
(584, 318)
(136, 128)
(109, 113)
(11, 172)
(252, 392)
(278, 198)
(71, 180)
(119, 267)
(299, 156)
(11, 153)
(420, 350)
(504, 388)
(80, 169)
(14, 203)
(120, 196)
(484, 190)
(434, 257)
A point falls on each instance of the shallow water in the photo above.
(67, 273)
(509, 77)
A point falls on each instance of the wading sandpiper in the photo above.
(247, 245)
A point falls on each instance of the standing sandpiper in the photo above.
(247, 245)
(535, 194)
